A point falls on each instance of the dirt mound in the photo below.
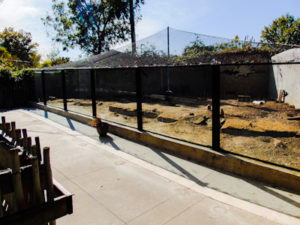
(260, 128)
(82, 102)
(169, 117)
(131, 111)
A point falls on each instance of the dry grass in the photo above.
(259, 131)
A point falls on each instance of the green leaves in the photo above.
(91, 25)
(21, 49)
(8, 76)
(283, 30)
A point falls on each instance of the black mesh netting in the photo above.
(175, 47)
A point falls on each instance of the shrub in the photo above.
(16, 88)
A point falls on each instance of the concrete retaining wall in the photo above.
(252, 80)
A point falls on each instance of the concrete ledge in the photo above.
(242, 166)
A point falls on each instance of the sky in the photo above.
(222, 18)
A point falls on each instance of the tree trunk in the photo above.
(132, 27)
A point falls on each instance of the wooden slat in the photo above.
(16, 179)
(24, 139)
(2, 123)
(40, 214)
(1, 208)
(26, 174)
(49, 181)
(18, 136)
(13, 131)
(29, 146)
(38, 148)
(10, 202)
(38, 197)
(5, 157)
(7, 128)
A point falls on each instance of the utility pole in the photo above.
(132, 27)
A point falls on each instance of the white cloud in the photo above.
(26, 15)
(13, 13)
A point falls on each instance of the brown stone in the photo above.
(278, 143)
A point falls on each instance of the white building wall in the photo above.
(287, 77)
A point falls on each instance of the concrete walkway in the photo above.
(113, 187)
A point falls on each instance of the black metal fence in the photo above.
(54, 83)
(146, 90)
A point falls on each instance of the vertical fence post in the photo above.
(138, 82)
(63, 83)
(44, 88)
(93, 92)
(216, 107)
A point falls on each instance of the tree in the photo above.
(236, 45)
(93, 26)
(197, 47)
(195, 52)
(7, 61)
(283, 30)
(20, 45)
(55, 61)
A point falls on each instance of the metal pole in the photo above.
(138, 82)
(93, 92)
(168, 38)
(44, 87)
(169, 92)
(63, 83)
(216, 107)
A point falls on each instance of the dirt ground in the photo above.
(268, 131)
